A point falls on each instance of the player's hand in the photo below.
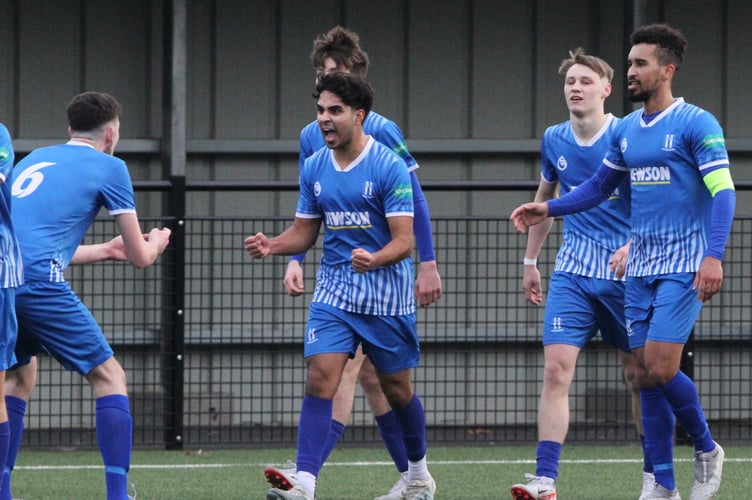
(618, 261)
(708, 278)
(257, 246)
(161, 236)
(428, 284)
(531, 285)
(294, 279)
(528, 214)
(362, 260)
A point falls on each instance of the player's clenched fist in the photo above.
(362, 260)
(528, 214)
(257, 246)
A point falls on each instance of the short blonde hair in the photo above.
(601, 67)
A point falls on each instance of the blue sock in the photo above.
(647, 466)
(16, 410)
(115, 438)
(412, 421)
(336, 431)
(4, 444)
(658, 424)
(315, 421)
(547, 459)
(681, 394)
(389, 427)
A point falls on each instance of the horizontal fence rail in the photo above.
(226, 368)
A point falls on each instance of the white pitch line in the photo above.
(359, 464)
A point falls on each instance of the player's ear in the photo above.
(360, 116)
(668, 71)
(607, 90)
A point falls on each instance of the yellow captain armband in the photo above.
(718, 180)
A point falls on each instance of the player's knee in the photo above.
(555, 376)
(369, 381)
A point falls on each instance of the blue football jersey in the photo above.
(589, 238)
(354, 204)
(11, 266)
(380, 128)
(671, 205)
(58, 191)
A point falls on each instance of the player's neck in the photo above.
(349, 152)
(586, 126)
(658, 101)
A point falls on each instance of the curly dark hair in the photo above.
(353, 89)
(671, 43)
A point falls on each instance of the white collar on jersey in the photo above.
(74, 142)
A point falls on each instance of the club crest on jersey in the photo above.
(317, 188)
(668, 142)
(623, 145)
(561, 163)
(368, 189)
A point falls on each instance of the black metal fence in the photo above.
(213, 346)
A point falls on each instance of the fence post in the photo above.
(173, 165)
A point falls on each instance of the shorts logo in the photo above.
(629, 329)
(557, 324)
(311, 337)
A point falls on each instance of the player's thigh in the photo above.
(52, 320)
(607, 297)
(329, 330)
(390, 342)
(661, 308)
(8, 327)
(569, 317)
(676, 308)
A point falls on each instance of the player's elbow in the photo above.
(142, 260)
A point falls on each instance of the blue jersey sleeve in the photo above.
(707, 143)
(422, 222)
(398, 195)
(548, 168)
(117, 193)
(594, 191)
(6, 153)
(306, 146)
(389, 134)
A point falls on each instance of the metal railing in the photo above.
(213, 346)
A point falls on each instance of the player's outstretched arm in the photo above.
(98, 252)
(296, 239)
(141, 251)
